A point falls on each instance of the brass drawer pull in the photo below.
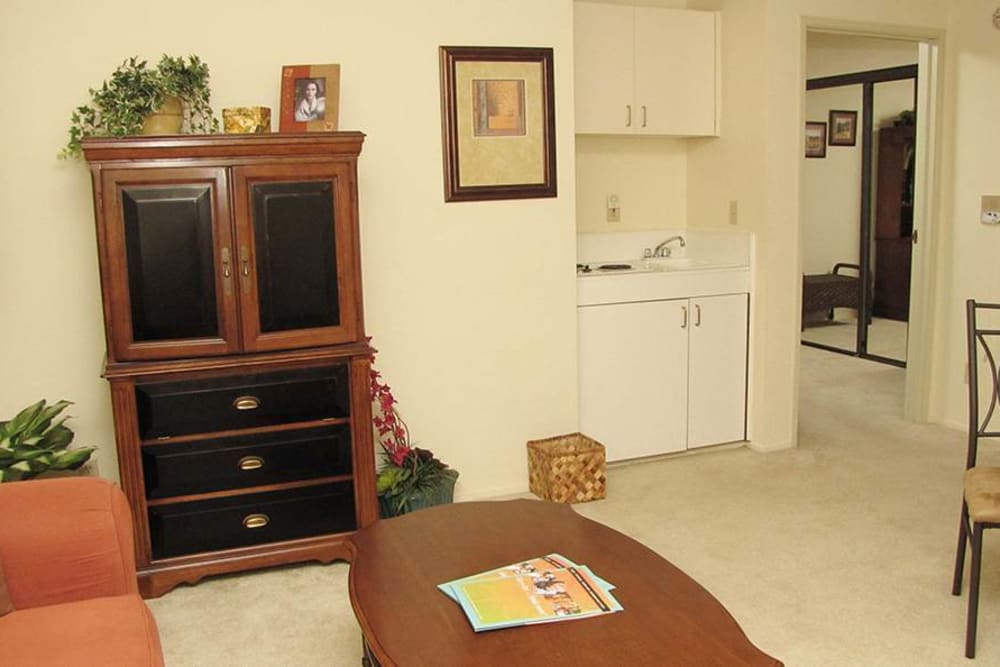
(251, 463)
(256, 520)
(246, 403)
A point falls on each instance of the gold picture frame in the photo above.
(815, 139)
(497, 122)
(310, 98)
(843, 128)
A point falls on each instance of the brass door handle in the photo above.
(252, 521)
(246, 402)
(251, 463)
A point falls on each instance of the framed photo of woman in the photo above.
(310, 98)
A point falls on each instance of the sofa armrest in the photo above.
(65, 539)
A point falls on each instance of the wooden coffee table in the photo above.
(396, 565)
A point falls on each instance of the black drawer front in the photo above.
(259, 518)
(241, 401)
(253, 460)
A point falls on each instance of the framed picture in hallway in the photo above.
(497, 122)
(843, 128)
(815, 139)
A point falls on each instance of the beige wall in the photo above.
(968, 251)
(834, 53)
(471, 305)
(831, 188)
(649, 175)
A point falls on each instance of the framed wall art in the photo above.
(310, 98)
(815, 139)
(497, 122)
(843, 128)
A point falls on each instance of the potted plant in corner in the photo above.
(31, 444)
(410, 478)
(126, 103)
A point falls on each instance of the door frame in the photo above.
(926, 186)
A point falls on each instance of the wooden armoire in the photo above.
(894, 222)
(236, 350)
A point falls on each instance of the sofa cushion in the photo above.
(116, 630)
(65, 539)
(5, 606)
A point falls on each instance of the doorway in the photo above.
(858, 194)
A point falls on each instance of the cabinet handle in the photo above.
(684, 323)
(245, 259)
(225, 263)
(256, 521)
(697, 315)
(251, 463)
(628, 118)
(644, 115)
(246, 403)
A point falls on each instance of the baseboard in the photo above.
(508, 492)
(765, 447)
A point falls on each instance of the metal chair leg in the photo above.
(956, 586)
(976, 540)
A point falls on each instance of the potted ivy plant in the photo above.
(33, 443)
(135, 91)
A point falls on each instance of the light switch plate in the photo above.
(614, 211)
(989, 211)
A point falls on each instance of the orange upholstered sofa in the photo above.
(67, 562)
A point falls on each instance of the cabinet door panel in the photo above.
(633, 377)
(603, 68)
(295, 253)
(675, 71)
(167, 232)
(297, 258)
(718, 370)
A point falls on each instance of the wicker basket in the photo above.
(567, 468)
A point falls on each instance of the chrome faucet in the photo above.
(663, 251)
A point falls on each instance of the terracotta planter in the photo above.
(439, 494)
(168, 119)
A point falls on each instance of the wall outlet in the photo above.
(734, 210)
(989, 210)
(614, 211)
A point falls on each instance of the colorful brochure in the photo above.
(539, 590)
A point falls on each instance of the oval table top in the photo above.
(668, 618)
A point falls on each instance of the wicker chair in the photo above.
(826, 291)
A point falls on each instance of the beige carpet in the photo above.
(837, 553)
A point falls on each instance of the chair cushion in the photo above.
(982, 494)
(116, 630)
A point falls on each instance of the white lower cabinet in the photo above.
(663, 376)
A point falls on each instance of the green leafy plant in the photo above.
(31, 443)
(120, 106)
(409, 475)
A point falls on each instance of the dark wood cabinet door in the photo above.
(168, 267)
(297, 255)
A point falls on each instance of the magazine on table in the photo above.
(539, 590)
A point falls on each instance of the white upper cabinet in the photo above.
(645, 70)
